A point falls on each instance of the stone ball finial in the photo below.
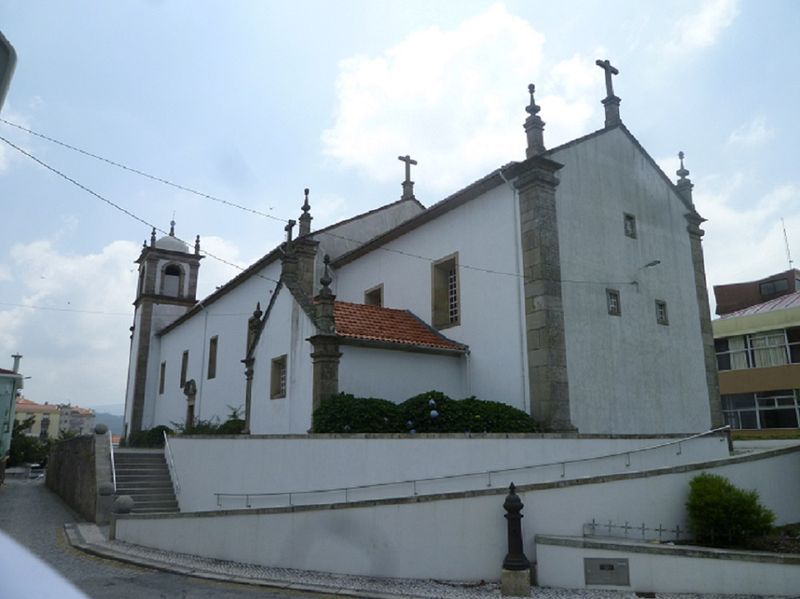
(100, 429)
(122, 504)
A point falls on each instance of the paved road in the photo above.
(34, 517)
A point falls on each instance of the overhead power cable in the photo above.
(228, 203)
(120, 208)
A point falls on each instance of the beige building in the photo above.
(52, 419)
(758, 356)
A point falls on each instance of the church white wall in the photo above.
(283, 464)
(286, 333)
(461, 538)
(350, 234)
(627, 374)
(484, 233)
(398, 375)
(225, 318)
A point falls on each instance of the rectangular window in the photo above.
(374, 296)
(773, 287)
(770, 409)
(184, 367)
(661, 312)
(278, 378)
(446, 310)
(613, 303)
(212, 357)
(162, 376)
(630, 225)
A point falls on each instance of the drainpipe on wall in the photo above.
(523, 342)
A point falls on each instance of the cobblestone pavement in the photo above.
(35, 517)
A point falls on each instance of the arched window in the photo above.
(172, 280)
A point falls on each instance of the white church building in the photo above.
(569, 284)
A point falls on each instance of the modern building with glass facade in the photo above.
(758, 355)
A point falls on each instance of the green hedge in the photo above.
(721, 514)
(430, 412)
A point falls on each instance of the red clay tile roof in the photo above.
(373, 323)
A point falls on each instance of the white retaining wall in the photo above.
(460, 538)
(284, 464)
(562, 566)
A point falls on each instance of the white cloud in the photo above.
(452, 99)
(745, 243)
(751, 134)
(79, 351)
(704, 27)
(9, 155)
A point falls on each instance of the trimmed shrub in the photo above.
(344, 413)
(721, 514)
(429, 412)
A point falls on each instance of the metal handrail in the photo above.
(487, 473)
(171, 464)
(113, 466)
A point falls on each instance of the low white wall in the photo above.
(562, 566)
(284, 464)
(459, 538)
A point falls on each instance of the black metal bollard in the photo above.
(515, 559)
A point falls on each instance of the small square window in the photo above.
(661, 312)
(374, 296)
(212, 356)
(184, 367)
(278, 378)
(613, 303)
(630, 225)
(162, 377)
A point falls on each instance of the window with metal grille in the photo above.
(278, 378)
(212, 356)
(445, 293)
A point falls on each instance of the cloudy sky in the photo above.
(251, 101)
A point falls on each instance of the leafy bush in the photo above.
(25, 449)
(344, 413)
(430, 412)
(153, 437)
(721, 514)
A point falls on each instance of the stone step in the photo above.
(145, 498)
(121, 478)
(155, 506)
(156, 510)
(143, 470)
(139, 462)
(138, 486)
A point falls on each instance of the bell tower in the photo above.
(167, 288)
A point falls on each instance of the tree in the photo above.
(25, 449)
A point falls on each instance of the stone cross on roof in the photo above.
(288, 228)
(408, 184)
(611, 101)
(610, 70)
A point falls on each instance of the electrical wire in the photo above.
(120, 208)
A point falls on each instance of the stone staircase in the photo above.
(143, 474)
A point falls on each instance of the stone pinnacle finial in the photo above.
(682, 172)
(172, 227)
(305, 217)
(257, 312)
(611, 102)
(532, 108)
(153, 237)
(144, 243)
(408, 184)
(326, 279)
(534, 127)
(197, 245)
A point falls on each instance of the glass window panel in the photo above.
(738, 352)
(794, 353)
(748, 419)
(778, 393)
(724, 361)
(779, 418)
(742, 400)
(721, 344)
(793, 334)
(786, 401)
(766, 403)
(781, 285)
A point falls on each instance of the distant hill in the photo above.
(112, 421)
